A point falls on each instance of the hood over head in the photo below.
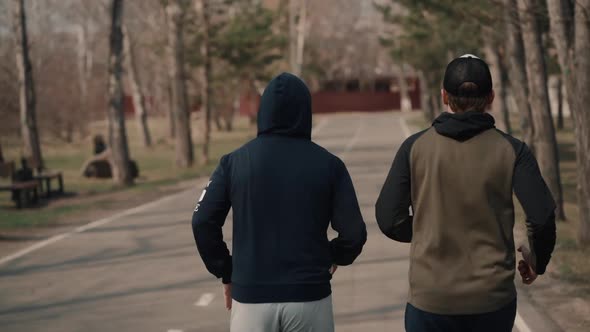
(285, 108)
(463, 126)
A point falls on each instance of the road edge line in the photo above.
(80, 229)
(103, 221)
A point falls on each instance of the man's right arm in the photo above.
(346, 218)
(539, 207)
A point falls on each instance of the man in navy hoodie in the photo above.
(285, 191)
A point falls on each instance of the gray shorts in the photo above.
(316, 316)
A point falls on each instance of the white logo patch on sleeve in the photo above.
(202, 196)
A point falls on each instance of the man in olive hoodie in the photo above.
(449, 193)
(285, 191)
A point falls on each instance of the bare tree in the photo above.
(405, 100)
(28, 120)
(582, 123)
(500, 105)
(116, 115)
(165, 87)
(292, 34)
(301, 27)
(202, 8)
(560, 106)
(544, 137)
(561, 28)
(84, 68)
(517, 75)
(136, 91)
(175, 52)
(428, 108)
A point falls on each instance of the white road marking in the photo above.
(84, 228)
(175, 330)
(354, 138)
(110, 219)
(519, 322)
(205, 300)
(323, 122)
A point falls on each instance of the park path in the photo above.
(139, 271)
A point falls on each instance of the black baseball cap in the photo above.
(468, 69)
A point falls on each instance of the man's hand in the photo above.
(525, 266)
(227, 295)
(333, 269)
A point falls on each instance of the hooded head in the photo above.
(285, 108)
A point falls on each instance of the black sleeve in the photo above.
(346, 218)
(538, 205)
(392, 210)
(208, 219)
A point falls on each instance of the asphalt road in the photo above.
(139, 271)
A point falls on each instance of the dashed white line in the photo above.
(205, 300)
(175, 330)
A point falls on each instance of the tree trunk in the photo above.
(229, 121)
(184, 144)
(168, 83)
(217, 120)
(517, 72)
(559, 102)
(405, 100)
(425, 100)
(135, 85)
(83, 76)
(292, 35)
(202, 9)
(582, 124)
(28, 119)
(500, 105)
(561, 28)
(301, 25)
(544, 137)
(170, 113)
(116, 114)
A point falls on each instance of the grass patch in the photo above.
(156, 167)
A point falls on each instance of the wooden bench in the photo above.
(45, 176)
(19, 189)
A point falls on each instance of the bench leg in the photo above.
(35, 195)
(27, 196)
(48, 185)
(18, 199)
(60, 179)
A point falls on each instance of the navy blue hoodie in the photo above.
(285, 191)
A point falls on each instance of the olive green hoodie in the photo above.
(458, 177)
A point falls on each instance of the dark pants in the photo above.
(501, 320)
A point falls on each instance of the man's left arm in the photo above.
(392, 210)
(208, 219)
